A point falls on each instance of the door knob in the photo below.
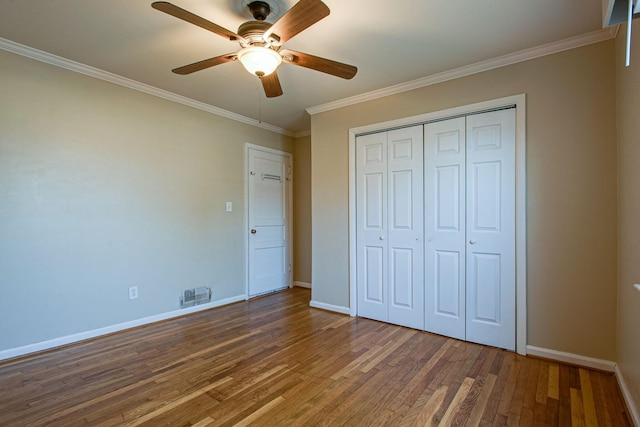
(253, 231)
(381, 238)
(473, 242)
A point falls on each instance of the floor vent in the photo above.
(195, 296)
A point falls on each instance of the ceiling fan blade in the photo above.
(317, 63)
(191, 18)
(302, 15)
(201, 65)
(271, 85)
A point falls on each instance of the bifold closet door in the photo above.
(469, 171)
(389, 234)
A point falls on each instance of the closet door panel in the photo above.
(444, 189)
(371, 231)
(406, 230)
(491, 228)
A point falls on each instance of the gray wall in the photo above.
(102, 188)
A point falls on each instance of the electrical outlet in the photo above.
(133, 292)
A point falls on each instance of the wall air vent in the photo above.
(195, 296)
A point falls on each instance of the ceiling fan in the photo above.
(261, 42)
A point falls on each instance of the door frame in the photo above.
(289, 190)
(520, 197)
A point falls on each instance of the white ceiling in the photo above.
(391, 42)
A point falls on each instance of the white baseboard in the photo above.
(302, 285)
(631, 405)
(330, 307)
(70, 339)
(574, 359)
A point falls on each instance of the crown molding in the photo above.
(478, 67)
(97, 73)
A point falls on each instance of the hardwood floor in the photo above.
(275, 361)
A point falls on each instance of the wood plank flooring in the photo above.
(274, 361)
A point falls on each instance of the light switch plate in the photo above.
(229, 207)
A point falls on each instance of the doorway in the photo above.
(269, 207)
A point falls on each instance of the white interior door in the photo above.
(269, 256)
(389, 229)
(490, 298)
(445, 228)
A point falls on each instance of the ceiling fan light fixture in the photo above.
(259, 61)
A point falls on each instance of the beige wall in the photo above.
(302, 210)
(102, 188)
(628, 110)
(571, 191)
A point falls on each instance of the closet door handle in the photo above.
(381, 238)
(472, 242)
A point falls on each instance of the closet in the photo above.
(435, 227)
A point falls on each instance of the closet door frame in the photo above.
(519, 101)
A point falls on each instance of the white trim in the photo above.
(302, 284)
(467, 70)
(330, 307)
(631, 405)
(571, 358)
(97, 73)
(289, 190)
(246, 219)
(82, 336)
(353, 278)
(521, 198)
(521, 225)
(290, 248)
(303, 133)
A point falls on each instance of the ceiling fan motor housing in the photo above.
(252, 31)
